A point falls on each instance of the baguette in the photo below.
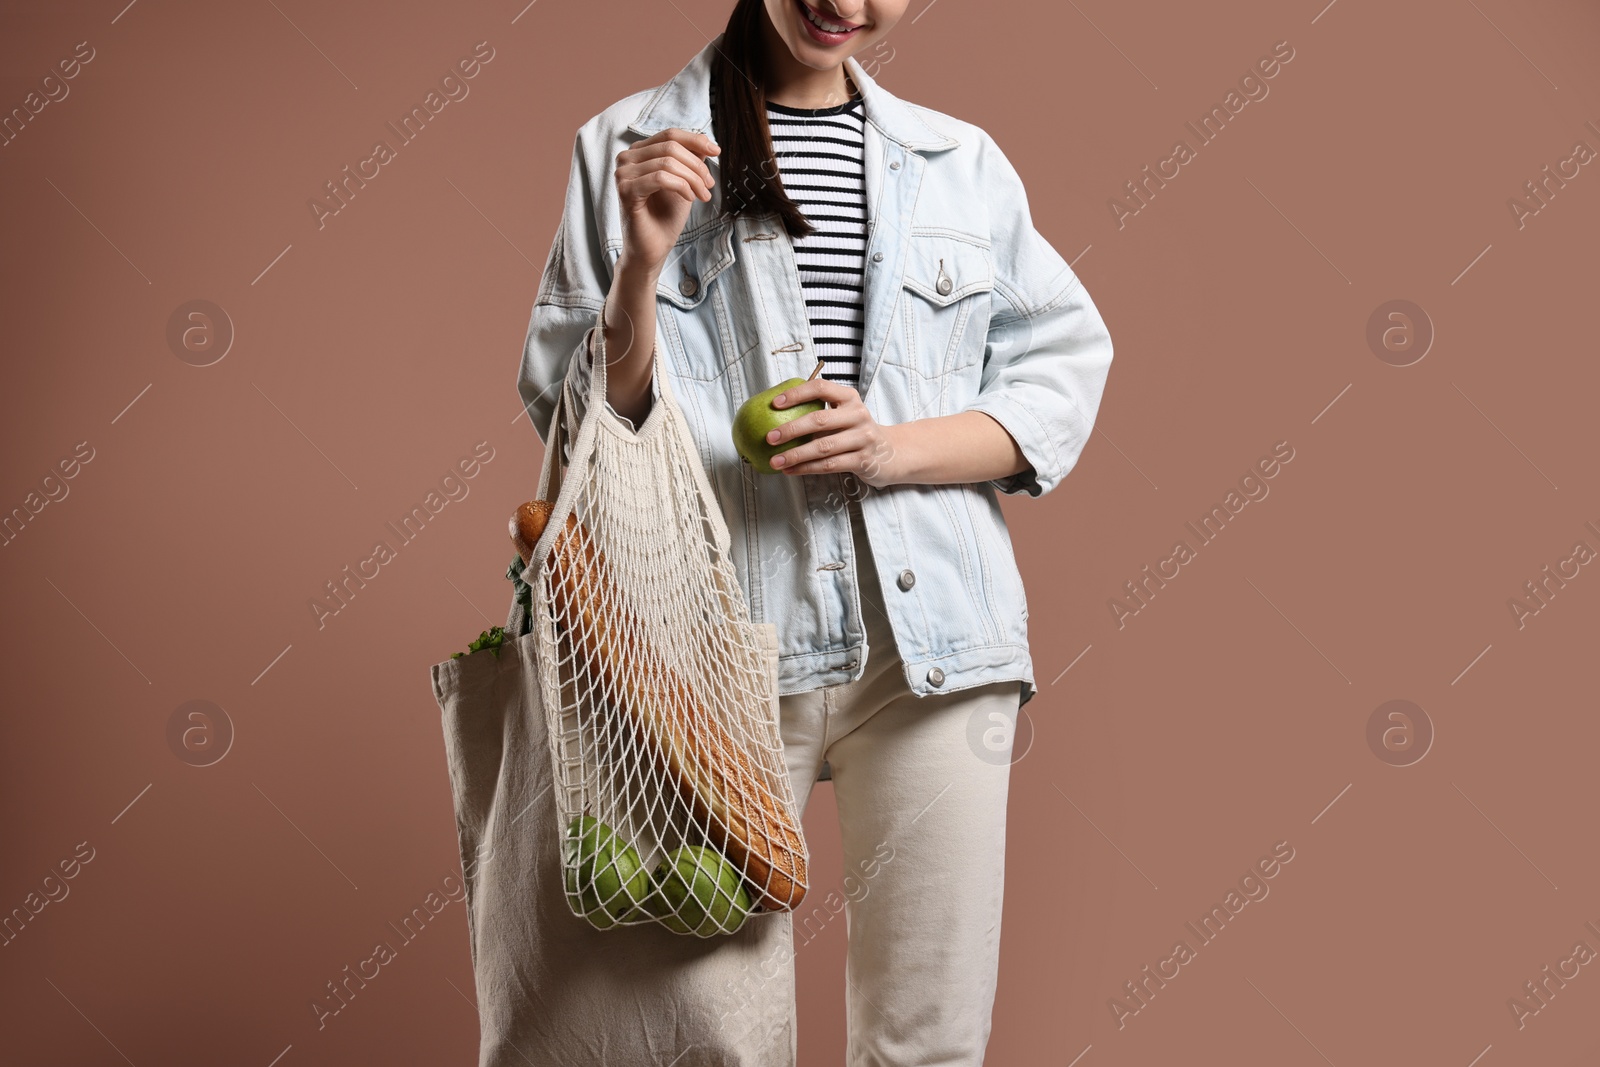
(702, 759)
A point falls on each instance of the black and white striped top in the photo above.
(819, 156)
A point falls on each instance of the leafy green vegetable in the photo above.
(490, 639)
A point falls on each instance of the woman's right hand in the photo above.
(658, 181)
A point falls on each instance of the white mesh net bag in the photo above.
(659, 692)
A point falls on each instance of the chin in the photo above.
(829, 62)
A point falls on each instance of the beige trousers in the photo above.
(922, 816)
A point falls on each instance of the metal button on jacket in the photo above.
(877, 257)
(688, 286)
(894, 165)
(907, 579)
(936, 677)
(943, 285)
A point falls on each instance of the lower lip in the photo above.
(820, 35)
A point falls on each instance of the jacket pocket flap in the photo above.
(694, 263)
(943, 269)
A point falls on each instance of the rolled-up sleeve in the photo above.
(569, 308)
(1048, 351)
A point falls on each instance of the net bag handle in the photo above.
(551, 476)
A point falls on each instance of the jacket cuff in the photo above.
(1030, 437)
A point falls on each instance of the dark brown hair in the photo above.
(750, 181)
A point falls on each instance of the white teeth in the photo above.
(830, 27)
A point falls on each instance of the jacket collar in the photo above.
(685, 102)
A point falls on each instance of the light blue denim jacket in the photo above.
(967, 307)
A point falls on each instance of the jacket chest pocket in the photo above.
(692, 306)
(944, 308)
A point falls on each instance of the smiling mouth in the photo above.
(824, 29)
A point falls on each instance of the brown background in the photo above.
(1229, 715)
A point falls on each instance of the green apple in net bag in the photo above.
(697, 891)
(604, 872)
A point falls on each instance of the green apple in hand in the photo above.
(757, 417)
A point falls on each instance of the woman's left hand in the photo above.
(847, 437)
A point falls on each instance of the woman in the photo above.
(770, 209)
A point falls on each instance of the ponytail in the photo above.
(750, 181)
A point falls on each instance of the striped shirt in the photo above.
(819, 156)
